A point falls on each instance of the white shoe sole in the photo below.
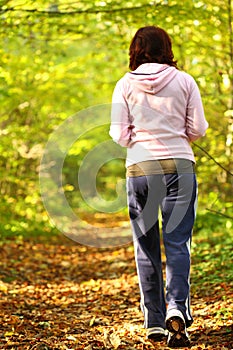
(156, 334)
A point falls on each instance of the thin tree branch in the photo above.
(219, 213)
(212, 158)
(62, 13)
(230, 28)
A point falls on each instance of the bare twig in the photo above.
(219, 213)
(90, 10)
(212, 158)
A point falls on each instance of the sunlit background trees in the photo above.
(61, 57)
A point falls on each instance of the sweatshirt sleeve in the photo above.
(121, 128)
(196, 124)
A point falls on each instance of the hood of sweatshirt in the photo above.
(151, 77)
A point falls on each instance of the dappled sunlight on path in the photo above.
(56, 294)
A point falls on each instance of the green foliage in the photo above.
(212, 253)
(60, 58)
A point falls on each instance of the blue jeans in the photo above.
(175, 195)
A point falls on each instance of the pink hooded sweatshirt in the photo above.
(156, 112)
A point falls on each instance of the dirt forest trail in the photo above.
(57, 294)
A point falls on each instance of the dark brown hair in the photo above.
(150, 44)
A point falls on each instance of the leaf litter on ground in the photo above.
(57, 294)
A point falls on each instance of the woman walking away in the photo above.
(156, 113)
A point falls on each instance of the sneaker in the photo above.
(178, 336)
(156, 334)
